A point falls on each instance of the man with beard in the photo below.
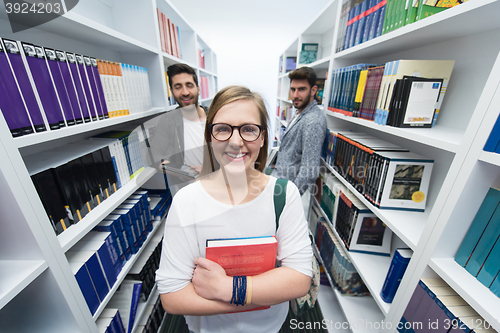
(300, 150)
(177, 136)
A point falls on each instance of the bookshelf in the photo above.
(463, 171)
(39, 291)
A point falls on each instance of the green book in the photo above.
(309, 53)
(428, 8)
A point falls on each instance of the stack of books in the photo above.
(479, 252)
(391, 94)
(169, 35)
(110, 321)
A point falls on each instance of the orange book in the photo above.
(244, 256)
(177, 42)
(171, 36)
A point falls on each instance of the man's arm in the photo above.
(313, 136)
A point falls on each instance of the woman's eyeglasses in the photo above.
(223, 132)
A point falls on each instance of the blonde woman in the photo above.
(233, 198)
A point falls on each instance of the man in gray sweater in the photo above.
(300, 150)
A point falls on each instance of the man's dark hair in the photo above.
(175, 69)
(302, 73)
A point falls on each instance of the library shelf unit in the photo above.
(39, 292)
(463, 172)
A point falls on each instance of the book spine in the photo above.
(394, 276)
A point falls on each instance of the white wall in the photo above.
(249, 36)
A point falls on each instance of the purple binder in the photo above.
(35, 58)
(19, 70)
(86, 87)
(60, 87)
(11, 101)
(93, 87)
(70, 86)
(78, 86)
(97, 78)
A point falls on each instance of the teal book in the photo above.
(478, 226)
(491, 266)
(484, 245)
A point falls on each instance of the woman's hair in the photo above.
(223, 97)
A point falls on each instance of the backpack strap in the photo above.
(279, 198)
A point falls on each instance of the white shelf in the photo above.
(372, 268)
(125, 269)
(445, 138)
(283, 122)
(75, 232)
(141, 307)
(17, 275)
(356, 309)
(318, 64)
(407, 225)
(459, 21)
(206, 71)
(285, 100)
(489, 157)
(472, 291)
(36, 138)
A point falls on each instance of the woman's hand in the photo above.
(211, 282)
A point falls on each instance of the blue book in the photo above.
(130, 228)
(491, 266)
(368, 20)
(84, 281)
(348, 28)
(121, 234)
(478, 226)
(399, 263)
(93, 267)
(377, 9)
(494, 138)
(357, 12)
(381, 16)
(484, 245)
(358, 39)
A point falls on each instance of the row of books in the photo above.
(363, 20)
(97, 259)
(169, 35)
(355, 225)
(126, 299)
(493, 142)
(335, 260)
(74, 179)
(401, 93)
(46, 89)
(388, 176)
(479, 252)
(145, 267)
(437, 308)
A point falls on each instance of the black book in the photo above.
(52, 200)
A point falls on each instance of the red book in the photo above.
(244, 256)
(162, 33)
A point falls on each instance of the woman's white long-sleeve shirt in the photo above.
(195, 217)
